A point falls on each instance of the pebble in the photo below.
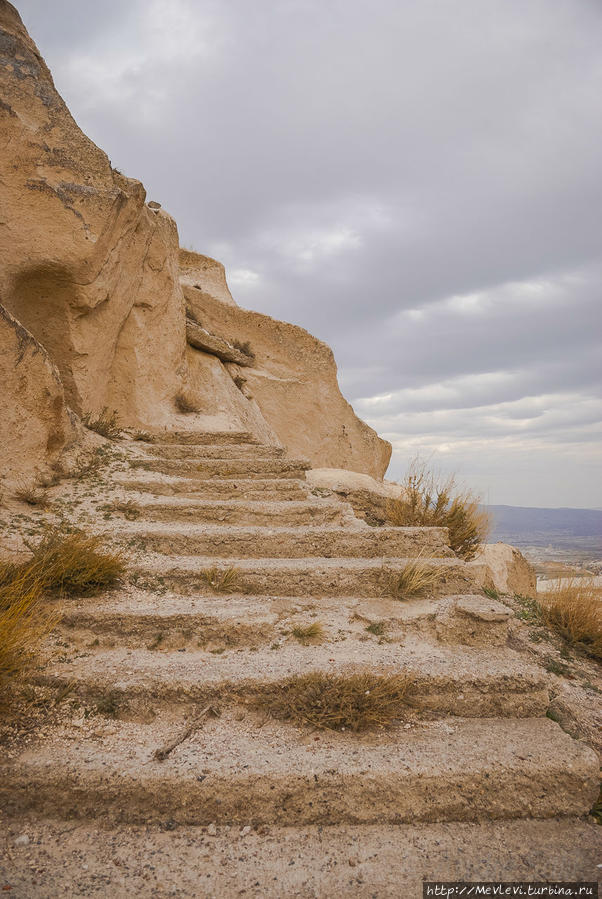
(23, 840)
(245, 831)
(212, 830)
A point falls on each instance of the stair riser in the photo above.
(206, 438)
(176, 631)
(218, 468)
(302, 800)
(273, 490)
(489, 698)
(369, 544)
(309, 582)
(246, 451)
(244, 515)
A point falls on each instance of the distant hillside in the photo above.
(526, 526)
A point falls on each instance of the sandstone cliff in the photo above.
(97, 278)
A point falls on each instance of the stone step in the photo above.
(298, 577)
(210, 451)
(361, 861)
(475, 683)
(225, 468)
(325, 541)
(218, 623)
(201, 438)
(232, 771)
(252, 489)
(291, 513)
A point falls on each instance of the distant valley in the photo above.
(568, 534)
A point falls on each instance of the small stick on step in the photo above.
(161, 754)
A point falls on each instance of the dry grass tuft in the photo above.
(24, 621)
(378, 628)
(574, 610)
(427, 502)
(221, 580)
(71, 564)
(186, 402)
(128, 509)
(415, 579)
(356, 702)
(310, 633)
(244, 348)
(32, 495)
(104, 424)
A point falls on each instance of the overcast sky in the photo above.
(417, 182)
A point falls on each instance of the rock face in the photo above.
(87, 267)
(293, 379)
(93, 273)
(508, 568)
(36, 423)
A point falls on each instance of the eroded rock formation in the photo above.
(96, 276)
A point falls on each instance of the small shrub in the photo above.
(574, 611)
(356, 702)
(104, 424)
(128, 509)
(310, 633)
(143, 436)
(377, 628)
(244, 348)
(428, 503)
(32, 495)
(415, 579)
(491, 592)
(186, 403)
(71, 564)
(221, 580)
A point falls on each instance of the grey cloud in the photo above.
(360, 170)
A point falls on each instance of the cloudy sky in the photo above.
(417, 182)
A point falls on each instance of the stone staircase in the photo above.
(145, 659)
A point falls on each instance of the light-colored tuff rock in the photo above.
(36, 424)
(293, 380)
(368, 496)
(508, 569)
(86, 266)
(206, 275)
(93, 272)
(201, 339)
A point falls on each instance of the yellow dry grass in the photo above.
(429, 502)
(24, 620)
(106, 423)
(221, 580)
(309, 633)
(415, 579)
(356, 702)
(68, 563)
(574, 610)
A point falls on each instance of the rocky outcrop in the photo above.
(293, 379)
(206, 275)
(87, 267)
(36, 423)
(201, 339)
(93, 272)
(508, 569)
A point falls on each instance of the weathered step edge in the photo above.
(483, 770)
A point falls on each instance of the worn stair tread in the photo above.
(238, 511)
(206, 469)
(231, 769)
(200, 438)
(156, 483)
(359, 860)
(283, 541)
(208, 451)
(423, 660)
